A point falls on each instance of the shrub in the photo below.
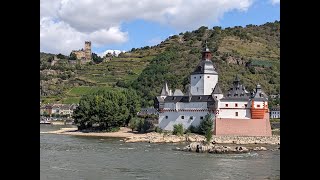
(193, 129)
(178, 129)
(147, 125)
(206, 124)
(133, 123)
(158, 130)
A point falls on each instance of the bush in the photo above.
(133, 123)
(158, 130)
(193, 129)
(141, 125)
(148, 125)
(206, 124)
(178, 129)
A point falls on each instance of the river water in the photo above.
(92, 158)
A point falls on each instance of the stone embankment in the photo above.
(219, 149)
(162, 138)
(154, 137)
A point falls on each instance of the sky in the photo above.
(125, 24)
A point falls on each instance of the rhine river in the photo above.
(92, 158)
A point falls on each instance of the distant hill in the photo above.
(252, 52)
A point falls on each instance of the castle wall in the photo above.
(243, 127)
(203, 84)
(232, 113)
(79, 54)
(197, 85)
(167, 119)
(210, 82)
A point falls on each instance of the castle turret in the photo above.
(206, 54)
(204, 78)
(217, 93)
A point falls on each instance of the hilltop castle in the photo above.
(84, 55)
(238, 112)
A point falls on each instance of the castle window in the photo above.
(182, 117)
(201, 117)
(195, 77)
(191, 117)
(200, 77)
(208, 76)
(226, 105)
(258, 105)
(236, 105)
(166, 117)
(216, 96)
(245, 105)
(236, 113)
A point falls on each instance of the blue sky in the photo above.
(123, 27)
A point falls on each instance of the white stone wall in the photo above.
(231, 113)
(233, 107)
(203, 84)
(176, 118)
(210, 82)
(232, 104)
(197, 86)
(258, 104)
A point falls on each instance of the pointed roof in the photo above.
(259, 94)
(217, 90)
(178, 92)
(165, 90)
(237, 91)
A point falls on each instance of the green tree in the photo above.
(105, 108)
(97, 59)
(61, 56)
(72, 56)
(206, 124)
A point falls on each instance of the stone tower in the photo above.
(87, 50)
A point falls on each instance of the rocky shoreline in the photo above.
(162, 138)
(220, 149)
(153, 137)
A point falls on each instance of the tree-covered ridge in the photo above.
(252, 52)
(183, 53)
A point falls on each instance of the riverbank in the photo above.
(154, 137)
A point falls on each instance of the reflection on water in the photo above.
(73, 157)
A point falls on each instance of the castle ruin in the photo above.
(84, 55)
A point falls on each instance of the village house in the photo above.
(55, 109)
(237, 112)
(275, 112)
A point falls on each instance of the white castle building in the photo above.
(237, 112)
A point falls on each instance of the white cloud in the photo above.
(73, 21)
(59, 37)
(275, 2)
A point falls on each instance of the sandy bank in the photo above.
(154, 137)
